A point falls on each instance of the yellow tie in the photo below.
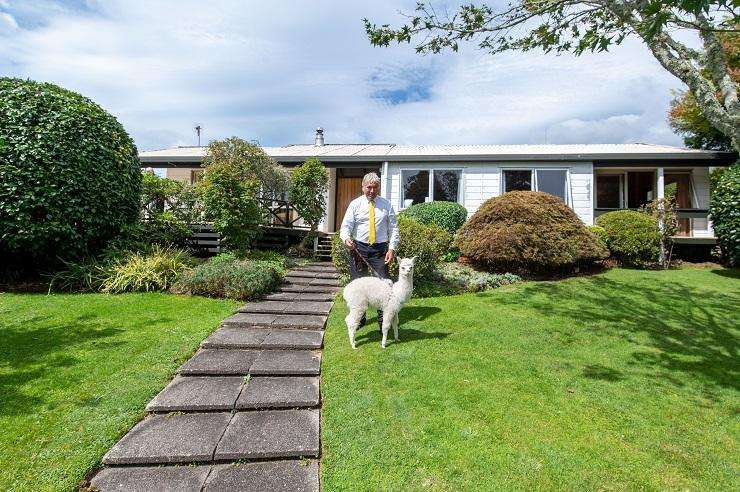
(371, 214)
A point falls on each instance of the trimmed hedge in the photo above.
(724, 210)
(70, 176)
(427, 242)
(447, 215)
(529, 232)
(632, 237)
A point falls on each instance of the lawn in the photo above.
(77, 370)
(624, 380)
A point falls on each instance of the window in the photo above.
(552, 181)
(415, 187)
(446, 186)
(517, 180)
(421, 186)
(608, 191)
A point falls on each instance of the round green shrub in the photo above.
(632, 237)
(527, 232)
(447, 215)
(724, 210)
(70, 176)
(427, 242)
(600, 234)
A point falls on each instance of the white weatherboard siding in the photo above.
(483, 181)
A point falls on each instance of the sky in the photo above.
(274, 71)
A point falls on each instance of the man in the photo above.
(370, 231)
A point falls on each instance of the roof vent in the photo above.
(319, 137)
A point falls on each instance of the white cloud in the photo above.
(274, 71)
(7, 23)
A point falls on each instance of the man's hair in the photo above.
(370, 178)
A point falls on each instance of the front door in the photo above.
(348, 188)
(683, 198)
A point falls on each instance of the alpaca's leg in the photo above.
(387, 322)
(353, 321)
(395, 327)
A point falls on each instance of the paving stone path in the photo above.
(243, 413)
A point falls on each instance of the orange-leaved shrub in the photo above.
(528, 232)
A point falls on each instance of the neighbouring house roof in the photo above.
(367, 153)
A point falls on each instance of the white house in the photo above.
(592, 179)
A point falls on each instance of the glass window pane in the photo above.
(552, 181)
(517, 181)
(415, 187)
(607, 191)
(446, 186)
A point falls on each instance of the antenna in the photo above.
(198, 129)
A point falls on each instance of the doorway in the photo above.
(683, 198)
(349, 187)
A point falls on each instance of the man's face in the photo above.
(371, 190)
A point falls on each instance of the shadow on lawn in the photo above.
(410, 313)
(695, 332)
(31, 351)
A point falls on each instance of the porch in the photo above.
(620, 188)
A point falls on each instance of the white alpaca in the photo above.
(380, 294)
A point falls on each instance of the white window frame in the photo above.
(431, 170)
(533, 179)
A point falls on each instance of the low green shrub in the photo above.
(632, 237)
(427, 242)
(468, 279)
(143, 272)
(450, 216)
(165, 229)
(600, 233)
(228, 276)
(528, 232)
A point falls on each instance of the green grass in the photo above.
(621, 381)
(76, 372)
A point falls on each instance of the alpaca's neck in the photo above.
(403, 287)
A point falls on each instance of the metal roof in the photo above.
(393, 153)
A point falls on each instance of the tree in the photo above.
(594, 25)
(70, 176)
(308, 185)
(237, 174)
(687, 119)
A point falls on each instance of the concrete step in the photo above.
(298, 321)
(296, 296)
(287, 307)
(209, 393)
(293, 279)
(261, 338)
(263, 476)
(241, 362)
(312, 274)
(303, 288)
(207, 437)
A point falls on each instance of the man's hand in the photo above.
(349, 243)
(389, 256)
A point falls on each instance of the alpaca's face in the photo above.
(406, 266)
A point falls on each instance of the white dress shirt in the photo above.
(356, 222)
